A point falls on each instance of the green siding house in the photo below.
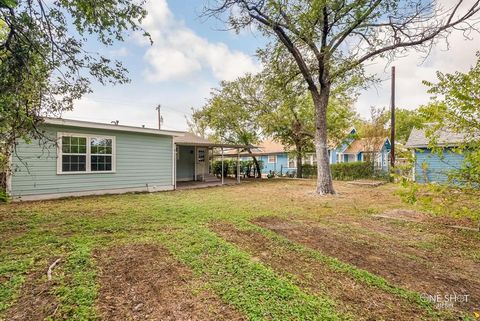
(85, 158)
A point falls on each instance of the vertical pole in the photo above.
(222, 166)
(238, 165)
(174, 166)
(392, 123)
(195, 163)
(159, 116)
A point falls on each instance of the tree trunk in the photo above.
(324, 176)
(257, 165)
(299, 161)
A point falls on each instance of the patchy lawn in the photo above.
(263, 250)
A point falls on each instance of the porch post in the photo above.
(174, 166)
(222, 166)
(195, 163)
(238, 165)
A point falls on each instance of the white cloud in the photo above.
(179, 53)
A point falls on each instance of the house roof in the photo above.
(94, 125)
(266, 147)
(418, 138)
(270, 146)
(373, 144)
(189, 139)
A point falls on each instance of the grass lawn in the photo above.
(268, 250)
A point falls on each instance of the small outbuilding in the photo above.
(430, 166)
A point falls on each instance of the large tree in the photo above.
(329, 38)
(232, 114)
(288, 113)
(45, 63)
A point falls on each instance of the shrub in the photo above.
(346, 171)
(309, 171)
(352, 171)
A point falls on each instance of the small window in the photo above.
(101, 154)
(201, 155)
(85, 154)
(292, 162)
(74, 154)
(272, 159)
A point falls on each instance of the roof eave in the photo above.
(94, 125)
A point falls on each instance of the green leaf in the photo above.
(8, 3)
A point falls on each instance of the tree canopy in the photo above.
(44, 62)
(330, 40)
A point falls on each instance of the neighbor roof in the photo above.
(94, 125)
(445, 137)
(270, 146)
(366, 145)
(266, 147)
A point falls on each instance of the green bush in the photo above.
(3, 196)
(309, 171)
(347, 171)
(352, 171)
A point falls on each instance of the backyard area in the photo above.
(263, 250)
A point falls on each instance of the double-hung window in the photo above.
(74, 154)
(272, 159)
(79, 153)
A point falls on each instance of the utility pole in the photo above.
(160, 118)
(392, 122)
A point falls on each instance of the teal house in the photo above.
(430, 167)
(79, 158)
(277, 159)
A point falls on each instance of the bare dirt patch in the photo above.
(384, 259)
(351, 297)
(144, 282)
(36, 301)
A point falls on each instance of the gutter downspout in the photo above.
(174, 165)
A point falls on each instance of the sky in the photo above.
(191, 55)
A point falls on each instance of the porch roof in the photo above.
(189, 139)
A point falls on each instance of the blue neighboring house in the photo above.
(431, 167)
(276, 158)
(354, 149)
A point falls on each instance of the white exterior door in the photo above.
(200, 163)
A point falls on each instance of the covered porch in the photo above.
(193, 162)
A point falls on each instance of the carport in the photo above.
(193, 157)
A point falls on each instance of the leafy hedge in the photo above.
(352, 171)
(346, 171)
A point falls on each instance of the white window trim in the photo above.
(88, 154)
(274, 157)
